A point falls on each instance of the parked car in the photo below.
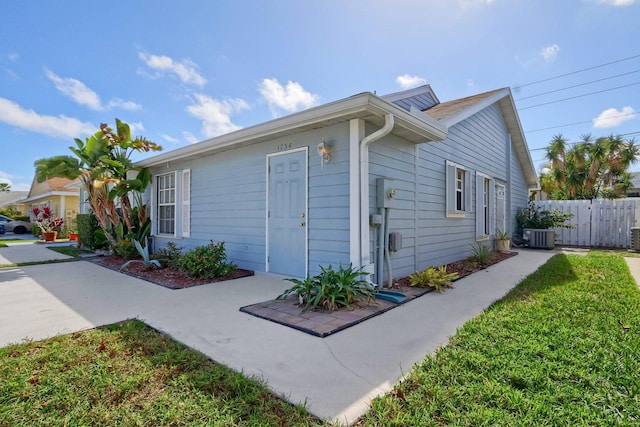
(18, 227)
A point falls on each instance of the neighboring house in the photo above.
(635, 181)
(301, 191)
(13, 199)
(57, 193)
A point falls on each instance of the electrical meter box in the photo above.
(386, 193)
(395, 241)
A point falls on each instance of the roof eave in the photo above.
(364, 106)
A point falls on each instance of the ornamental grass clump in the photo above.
(331, 289)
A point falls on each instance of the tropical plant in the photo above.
(206, 262)
(591, 168)
(436, 278)
(502, 235)
(331, 289)
(144, 253)
(536, 218)
(5, 187)
(46, 221)
(481, 254)
(104, 166)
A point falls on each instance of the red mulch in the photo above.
(177, 279)
(465, 267)
(167, 277)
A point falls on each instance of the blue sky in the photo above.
(181, 72)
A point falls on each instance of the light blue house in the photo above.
(297, 192)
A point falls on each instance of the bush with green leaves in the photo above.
(206, 262)
(169, 256)
(535, 218)
(126, 249)
(481, 254)
(331, 289)
(432, 277)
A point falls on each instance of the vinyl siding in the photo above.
(228, 200)
(478, 144)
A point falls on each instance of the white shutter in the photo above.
(479, 205)
(450, 188)
(467, 191)
(186, 203)
(492, 207)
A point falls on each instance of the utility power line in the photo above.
(578, 96)
(581, 123)
(578, 85)
(576, 72)
(577, 142)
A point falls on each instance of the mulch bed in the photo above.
(167, 277)
(322, 323)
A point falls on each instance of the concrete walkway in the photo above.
(336, 376)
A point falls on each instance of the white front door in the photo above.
(287, 214)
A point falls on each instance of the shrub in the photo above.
(126, 249)
(206, 262)
(88, 231)
(534, 217)
(481, 254)
(169, 256)
(331, 289)
(436, 278)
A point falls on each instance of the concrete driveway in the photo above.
(336, 376)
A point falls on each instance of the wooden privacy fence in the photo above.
(597, 223)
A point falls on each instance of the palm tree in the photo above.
(5, 187)
(103, 164)
(590, 167)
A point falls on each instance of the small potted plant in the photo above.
(49, 226)
(503, 241)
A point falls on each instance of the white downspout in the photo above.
(365, 259)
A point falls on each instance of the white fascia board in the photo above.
(345, 109)
(49, 194)
(522, 149)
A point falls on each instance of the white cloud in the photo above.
(169, 138)
(216, 114)
(75, 90)
(123, 104)
(289, 98)
(612, 117)
(191, 139)
(13, 57)
(55, 126)
(10, 179)
(407, 81)
(550, 53)
(617, 3)
(186, 70)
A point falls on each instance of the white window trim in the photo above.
(156, 204)
(485, 181)
(181, 206)
(451, 173)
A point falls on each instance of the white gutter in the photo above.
(365, 259)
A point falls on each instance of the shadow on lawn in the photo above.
(555, 272)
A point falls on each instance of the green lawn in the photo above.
(562, 349)
(129, 374)
(556, 351)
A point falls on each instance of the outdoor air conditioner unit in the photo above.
(540, 239)
(635, 238)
